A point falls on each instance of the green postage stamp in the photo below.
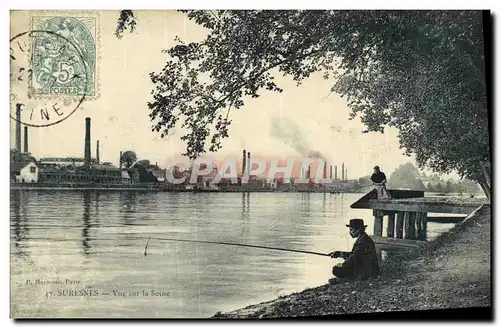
(64, 55)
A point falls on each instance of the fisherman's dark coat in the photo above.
(361, 263)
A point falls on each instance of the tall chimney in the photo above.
(25, 139)
(346, 174)
(330, 171)
(324, 171)
(97, 153)
(87, 153)
(335, 172)
(18, 127)
(244, 163)
(249, 165)
(343, 171)
(309, 172)
(120, 159)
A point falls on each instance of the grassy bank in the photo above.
(452, 271)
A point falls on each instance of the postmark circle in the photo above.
(54, 63)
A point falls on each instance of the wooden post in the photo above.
(378, 223)
(390, 224)
(413, 216)
(399, 224)
(407, 224)
(424, 226)
(418, 225)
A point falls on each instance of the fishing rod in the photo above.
(234, 244)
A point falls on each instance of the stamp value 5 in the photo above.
(64, 63)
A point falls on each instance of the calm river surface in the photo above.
(97, 239)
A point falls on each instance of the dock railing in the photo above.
(407, 215)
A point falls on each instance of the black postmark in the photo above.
(50, 59)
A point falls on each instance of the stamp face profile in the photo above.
(60, 60)
(54, 67)
(61, 63)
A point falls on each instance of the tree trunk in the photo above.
(486, 188)
(486, 173)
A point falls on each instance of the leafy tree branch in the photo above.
(421, 72)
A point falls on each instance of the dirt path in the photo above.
(454, 272)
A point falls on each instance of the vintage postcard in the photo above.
(237, 164)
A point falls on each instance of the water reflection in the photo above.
(18, 204)
(305, 202)
(245, 215)
(128, 205)
(245, 205)
(97, 203)
(86, 223)
(324, 203)
(203, 278)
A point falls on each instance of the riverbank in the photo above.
(452, 271)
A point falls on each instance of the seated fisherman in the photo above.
(379, 180)
(362, 262)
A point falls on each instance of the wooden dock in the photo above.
(407, 215)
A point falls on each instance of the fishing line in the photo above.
(235, 244)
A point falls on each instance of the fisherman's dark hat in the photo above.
(376, 167)
(356, 224)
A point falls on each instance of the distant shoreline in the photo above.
(59, 188)
(156, 188)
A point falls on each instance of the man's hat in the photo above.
(376, 167)
(356, 224)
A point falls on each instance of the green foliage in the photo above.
(419, 71)
(125, 21)
(129, 157)
(365, 181)
(468, 186)
(144, 163)
(419, 185)
(406, 176)
(145, 176)
(462, 186)
(448, 187)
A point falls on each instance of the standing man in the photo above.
(362, 262)
(379, 180)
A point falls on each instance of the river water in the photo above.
(65, 242)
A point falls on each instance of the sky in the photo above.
(275, 125)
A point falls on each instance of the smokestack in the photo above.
(249, 165)
(120, 159)
(97, 153)
(18, 127)
(25, 139)
(335, 172)
(343, 171)
(309, 172)
(243, 172)
(330, 171)
(346, 174)
(87, 141)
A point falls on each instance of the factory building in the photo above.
(28, 174)
(65, 161)
(23, 166)
(62, 170)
